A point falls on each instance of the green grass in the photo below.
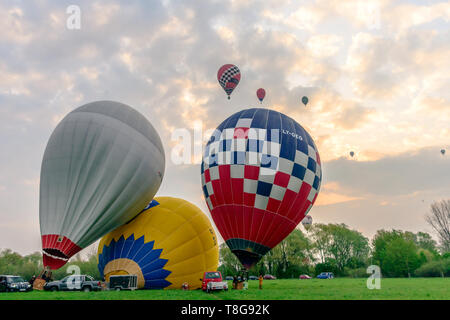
(335, 289)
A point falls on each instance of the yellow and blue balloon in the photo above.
(171, 242)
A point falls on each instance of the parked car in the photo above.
(228, 278)
(326, 275)
(74, 283)
(123, 282)
(212, 280)
(10, 283)
(269, 277)
(304, 276)
(253, 278)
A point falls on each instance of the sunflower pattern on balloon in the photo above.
(151, 266)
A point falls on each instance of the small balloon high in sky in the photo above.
(229, 76)
(261, 93)
(305, 100)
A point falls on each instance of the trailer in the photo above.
(123, 282)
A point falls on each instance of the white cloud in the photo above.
(378, 91)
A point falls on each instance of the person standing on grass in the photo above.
(260, 281)
(235, 282)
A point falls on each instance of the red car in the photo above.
(212, 280)
(304, 276)
(269, 277)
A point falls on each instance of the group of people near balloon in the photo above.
(104, 163)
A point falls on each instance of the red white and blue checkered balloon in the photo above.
(228, 76)
(261, 174)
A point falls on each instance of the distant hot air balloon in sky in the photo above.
(261, 174)
(102, 164)
(229, 77)
(443, 151)
(170, 243)
(307, 222)
(261, 93)
(352, 154)
(305, 100)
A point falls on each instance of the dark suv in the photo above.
(74, 283)
(14, 283)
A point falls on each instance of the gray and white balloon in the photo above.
(103, 163)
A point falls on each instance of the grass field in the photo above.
(315, 289)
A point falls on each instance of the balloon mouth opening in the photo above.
(57, 250)
(54, 258)
(248, 259)
(56, 254)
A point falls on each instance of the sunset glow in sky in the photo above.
(377, 75)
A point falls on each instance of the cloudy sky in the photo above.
(377, 74)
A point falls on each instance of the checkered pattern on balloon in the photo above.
(229, 76)
(261, 174)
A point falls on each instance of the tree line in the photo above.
(345, 252)
(324, 247)
(12, 263)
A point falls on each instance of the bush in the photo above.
(437, 268)
(356, 273)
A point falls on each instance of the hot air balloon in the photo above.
(305, 100)
(228, 77)
(443, 151)
(261, 93)
(102, 164)
(260, 175)
(352, 154)
(307, 222)
(170, 243)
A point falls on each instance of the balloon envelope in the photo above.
(305, 100)
(352, 153)
(168, 244)
(443, 151)
(261, 93)
(229, 76)
(102, 164)
(260, 174)
(307, 222)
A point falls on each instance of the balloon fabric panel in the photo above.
(166, 245)
(229, 76)
(255, 204)
(102, 163)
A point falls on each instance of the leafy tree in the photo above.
(425, 241)
(229, 265)
(379, 244)
(401, 258)
(328, 266)
(29, 265)
(397, 253)
(288, 259)
(436, 268)
(344, 246)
